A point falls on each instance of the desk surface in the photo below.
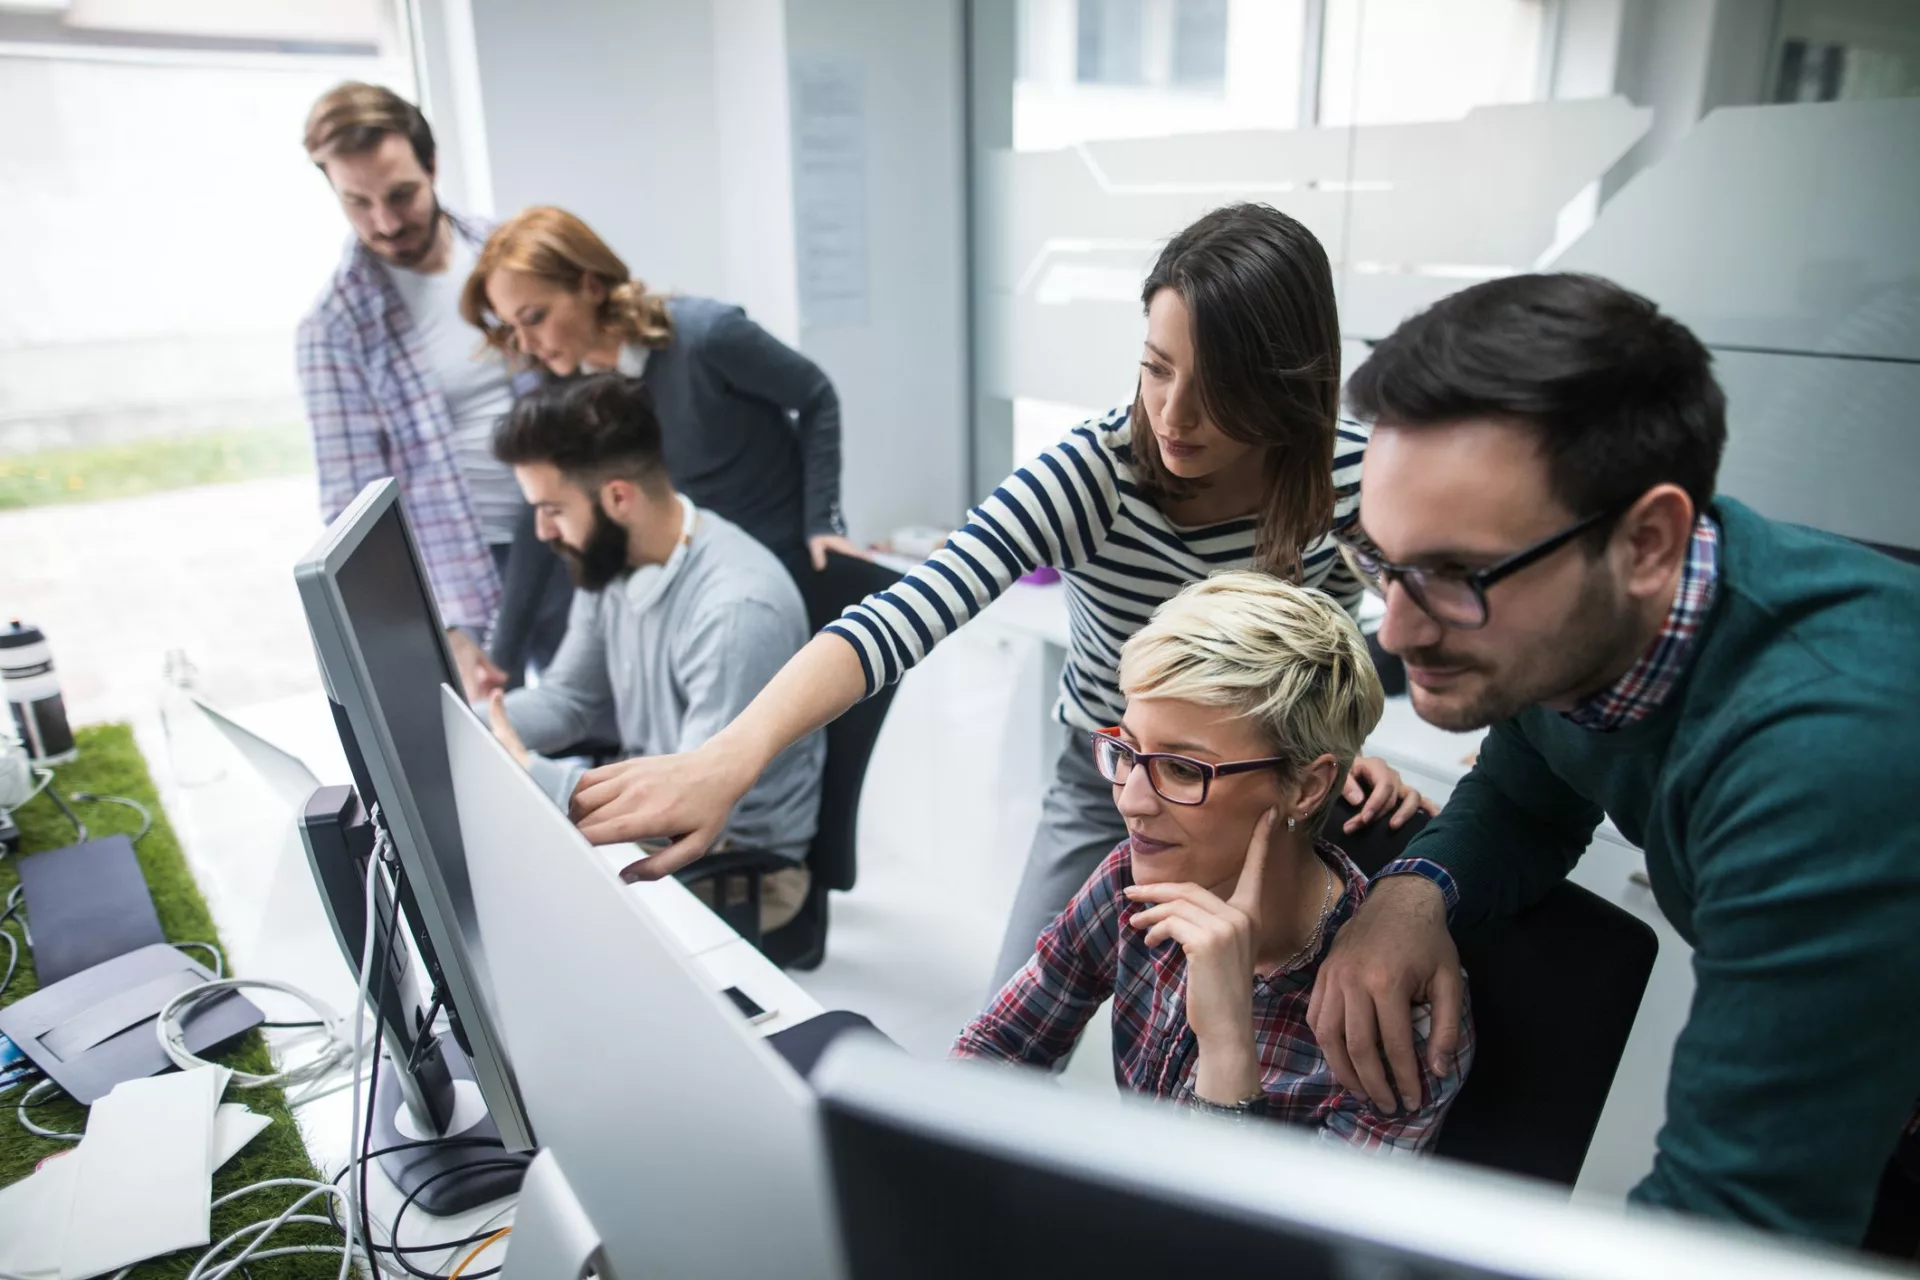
(241, 842)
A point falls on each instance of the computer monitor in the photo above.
(964, 1170)
(688, 1146)
(383, 658)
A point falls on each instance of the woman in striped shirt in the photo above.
(1231, 456)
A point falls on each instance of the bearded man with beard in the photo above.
(1538, 509)
(679, 618)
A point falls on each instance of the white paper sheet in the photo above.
(35, 1211)
(233, 1128)
(145, 1180)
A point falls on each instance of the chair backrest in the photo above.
(1555, 991)
(850, 739)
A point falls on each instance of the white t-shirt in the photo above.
(475, 380)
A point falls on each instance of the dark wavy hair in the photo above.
(594, 429)
(1266, 341)
(1623, 398)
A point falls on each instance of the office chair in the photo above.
(1555, 991)
(735, 873)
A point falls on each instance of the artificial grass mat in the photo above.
(110, 764)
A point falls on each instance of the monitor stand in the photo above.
(414, 1085)
(552, 1235)
(446, 1191)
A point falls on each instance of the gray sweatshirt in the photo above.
(678, 667)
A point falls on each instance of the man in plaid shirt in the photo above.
(1248, 698)
(395, 382)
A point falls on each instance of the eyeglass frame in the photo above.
(1479, 580)
(1208, 770)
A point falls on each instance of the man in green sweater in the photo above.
(1740, 696)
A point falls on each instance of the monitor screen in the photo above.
(383, 658)
(962, 1170)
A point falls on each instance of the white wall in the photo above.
(666, 124)
(756, 172)
(902, 374)
(608, 108)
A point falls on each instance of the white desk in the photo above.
(246, 854)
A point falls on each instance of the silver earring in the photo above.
(1290, 822)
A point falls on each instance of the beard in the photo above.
(385, 248)
(603, 559)
(1556, 670)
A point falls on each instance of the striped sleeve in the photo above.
(1349, 447)
(1057, 510)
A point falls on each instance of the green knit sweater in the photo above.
(1774, 793)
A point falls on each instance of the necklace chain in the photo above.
(1312, 943)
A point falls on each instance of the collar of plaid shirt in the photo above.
(1635, 695)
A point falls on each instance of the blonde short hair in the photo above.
(1285, 656)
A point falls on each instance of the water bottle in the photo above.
(33, 695)
(191, 742)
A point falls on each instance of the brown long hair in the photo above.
(562, 250)
(1266, 341)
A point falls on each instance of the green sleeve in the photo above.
(1800, 1061)
(1511, 830)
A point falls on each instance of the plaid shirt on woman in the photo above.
(1092, 951)
(376, 409)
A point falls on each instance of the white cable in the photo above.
(261, 1231)
(172, 1035)
(35, 1129)
(354, 1151)
(328, 1088)
(219, 961)
(13, 958)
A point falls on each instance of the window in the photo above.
(1110, 41)
(1403, 61)
(1841, 49)
(1200, 43)
(1148, 68)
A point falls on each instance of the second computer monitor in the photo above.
(383, 658)
(948, 1171)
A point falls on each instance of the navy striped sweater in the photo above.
(1076, 507)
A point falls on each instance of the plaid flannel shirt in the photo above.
(1091, 951)
(376, 409)
(1647, 682)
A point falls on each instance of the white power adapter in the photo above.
(16, 773)
(16, 788)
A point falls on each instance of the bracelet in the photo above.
(1253, 1106)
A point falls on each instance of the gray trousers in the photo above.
(1079, 826)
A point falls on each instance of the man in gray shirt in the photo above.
(681, 617)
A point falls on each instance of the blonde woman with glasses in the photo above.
(1247, 701)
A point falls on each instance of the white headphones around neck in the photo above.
(645, 585)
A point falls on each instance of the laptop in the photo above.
(283, 771)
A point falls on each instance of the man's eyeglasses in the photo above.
(1453, 597)
(1175, 779)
